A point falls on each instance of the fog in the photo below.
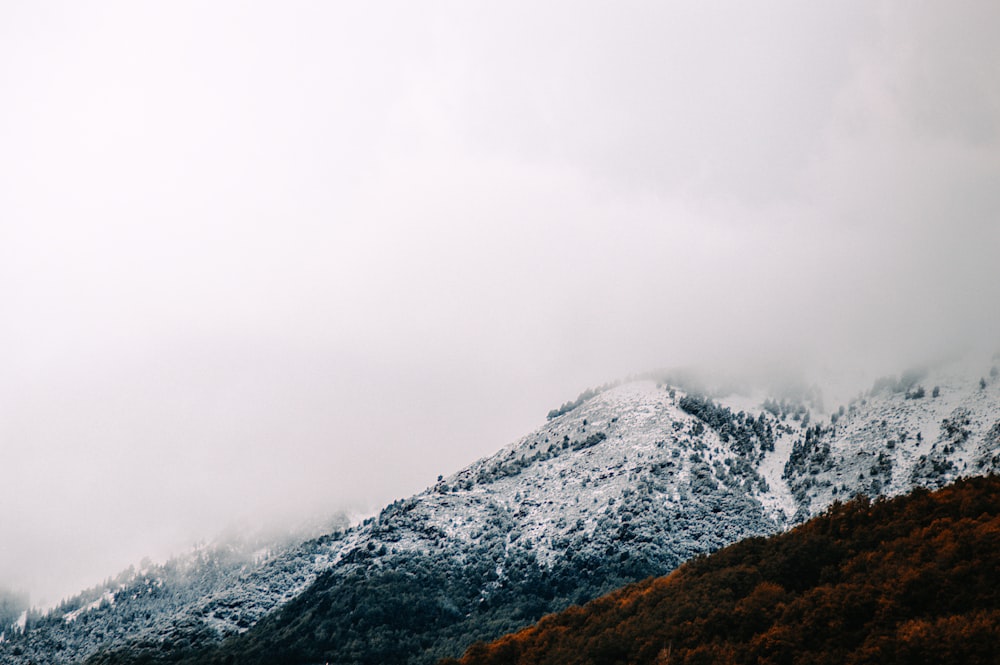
(266, 261)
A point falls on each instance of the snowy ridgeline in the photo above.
(624, 484)
(214, 591)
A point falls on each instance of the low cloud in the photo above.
(256, 264)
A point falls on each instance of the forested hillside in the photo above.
(195, 599)
(909, 580)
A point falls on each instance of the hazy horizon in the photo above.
(262, 262)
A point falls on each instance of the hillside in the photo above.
(216, 590)
(617, 486)
(909, 580)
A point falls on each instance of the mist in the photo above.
(264, 262)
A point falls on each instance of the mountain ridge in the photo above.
(629, 483)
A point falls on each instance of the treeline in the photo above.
(910, 580)
(739, 430)
(587, 394)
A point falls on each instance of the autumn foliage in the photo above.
(910, 580)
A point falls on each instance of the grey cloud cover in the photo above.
(261, 260)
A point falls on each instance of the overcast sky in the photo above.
(267, 260)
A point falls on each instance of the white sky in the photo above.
(261, 260)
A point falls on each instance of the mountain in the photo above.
(624, 483)
(212, 592)
(909, 580)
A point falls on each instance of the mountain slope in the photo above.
(627, 484)
(595, 499)
(620, 485)
(201, 597)
(910, 580)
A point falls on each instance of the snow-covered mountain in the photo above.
(626, 483)
(215, 590)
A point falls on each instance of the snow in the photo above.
(779, 499)
(535, 494)
(106, 597)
